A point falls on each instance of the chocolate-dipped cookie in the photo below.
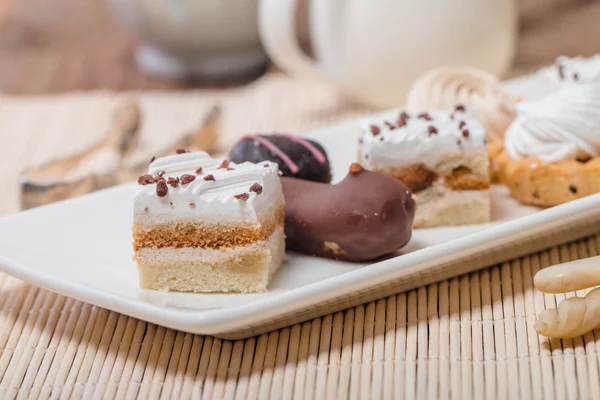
(297, 157)
(365, 216)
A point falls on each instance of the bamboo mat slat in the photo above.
(470, 336)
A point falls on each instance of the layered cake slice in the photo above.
(441, 156)
(206, 225)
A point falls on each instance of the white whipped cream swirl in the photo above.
(562, 126)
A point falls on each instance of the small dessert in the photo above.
(296, 157)
(551, 151)
(365, 216)
(482, 93)
(440, 155)
(206, 225)
(567, 70)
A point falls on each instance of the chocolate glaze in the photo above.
(365, 216)
(296, 157)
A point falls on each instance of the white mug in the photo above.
(374, 50)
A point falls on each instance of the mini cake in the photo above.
(441, 156)
(297, 157)
(206, 225)
(551, 151)
(482, 93)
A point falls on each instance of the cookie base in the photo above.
(535, 182)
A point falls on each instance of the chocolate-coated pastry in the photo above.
(365, 216)
(297, 157)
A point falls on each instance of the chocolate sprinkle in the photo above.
(256, 188)
(224, 164)
(561, 71)
(146, 209)
(186, 178)
(162, 189)
(173, 181)
(459, 142)
(161, 173)
(152, 159)
(375, 130)
(242, 197)
(171, 203)
(193, 205)
(461, 124)
(575, 76)
(266, 165)
(402, 120)
(573, 189)
(381, 139)
(432, 130)
(199, 171)
(460, 107)
(389, 125)
(146, 179)
(424, 116)
(355, 169)
(181, 151)
(209, 177)
(465, 133)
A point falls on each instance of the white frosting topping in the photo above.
(564, 125)
(480, 92)
(575, 70)
(181, 162)
(207, 200)
(426, 140)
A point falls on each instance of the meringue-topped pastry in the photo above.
(208, 225)
(575, 70)
(440, 155)
(482, 93)
(551, 150)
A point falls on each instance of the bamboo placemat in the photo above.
(467, 337)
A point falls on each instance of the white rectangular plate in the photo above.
(82, 248)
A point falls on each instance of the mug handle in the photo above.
(276, 24)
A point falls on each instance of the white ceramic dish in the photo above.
(82, 248)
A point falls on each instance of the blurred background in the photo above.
(204, 73)
(54, 46)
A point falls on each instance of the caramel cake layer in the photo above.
(243, 269)
(462, 178)
(418, 178)
(181, 234)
